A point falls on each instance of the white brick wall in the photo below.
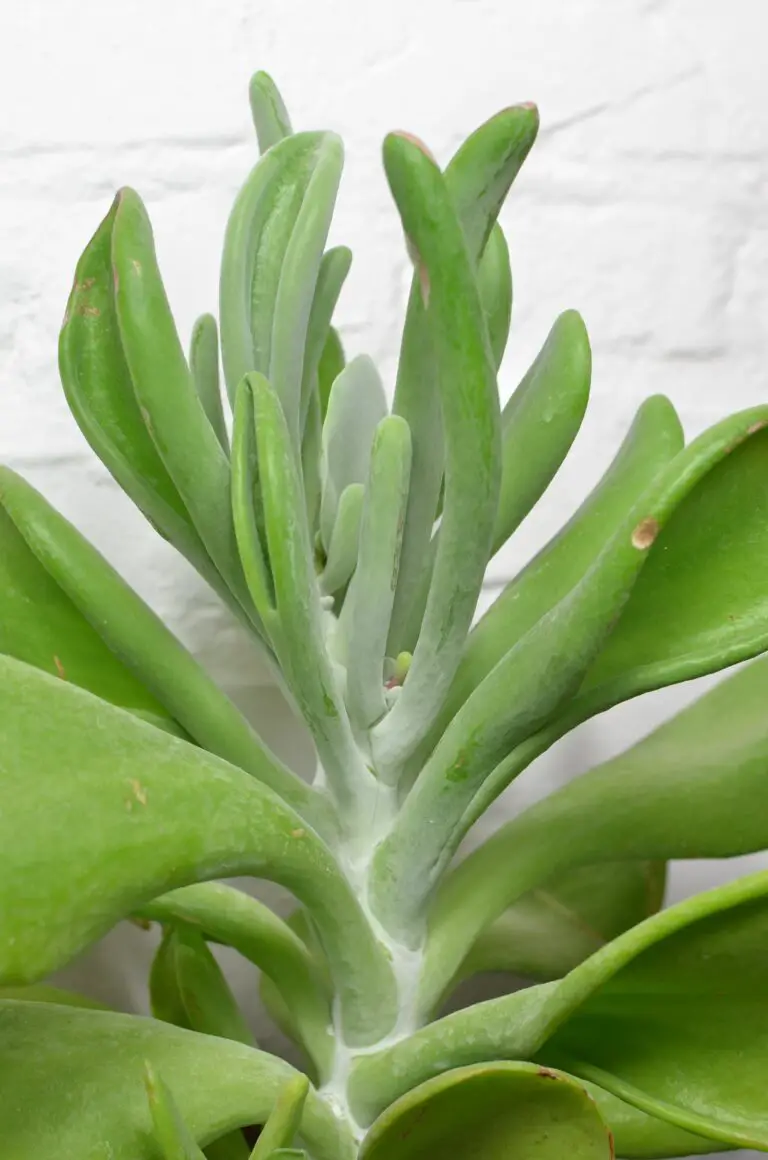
(642, 205)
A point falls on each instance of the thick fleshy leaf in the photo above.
(541, 421)
(284, 1119)
(273, 215)
(330, 280)
(555, 927)
(330, 366)
(368, 606)
(487, 743)
(356, 406)
(39, 624)
(41, 993)
(204, 366)
(695, 788)
(637, 1136)
(100, 392)
(302, 651)
(161, 814)
(342, 550)
(478, 178)
(231, 917)
(171, 1133)
(204, 994)
(471, 427)
(270, 116)
(494, 281)
(138, 638)
(670, 1017)
(94, 1061)
(497, 1111)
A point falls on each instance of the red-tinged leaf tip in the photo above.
(414, 140)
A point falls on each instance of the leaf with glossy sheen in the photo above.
(356, 406)
(229, 916)
(557, 925)
(138, 638)
(471, 427)
(161, 814)
(284, 1119)
(39, 624)
(670, 1017)
(478, 178)
(94, 1061)
(697, 787)
(204, 366)
(497, 1111)
(541, 420)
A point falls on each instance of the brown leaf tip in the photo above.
(417, 141)
(645, 533)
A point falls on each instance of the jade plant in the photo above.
(350, 540)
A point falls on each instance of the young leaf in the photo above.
(356, 406)
(139, 639)
(39, 624)
(470, 411)
(372, 590)
(161, 814)
(557, 925)
(206, 997)
(170, 1131)
(695, 788)
(204, 367)
(495, 1111)
(494, 281)
(284, 1119)
(342, 550)
(541, 420)
(231, 917)
(478, 178)
(165, 1001)
(270, 116)
(94, 1061)
(330, 366)
(330, 278)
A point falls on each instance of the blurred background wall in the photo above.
(643, 205)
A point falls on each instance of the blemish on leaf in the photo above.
(88, 311)
(611, 1146)
(546, 1073)
(146, 419)
(136, 265)
(138, 791)
(60, 668)
(298, 833)
(141, 923)
(645, 533)
(86, 284)
(757, 426)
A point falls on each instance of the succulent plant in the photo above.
(351, 542)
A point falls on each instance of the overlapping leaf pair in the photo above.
(351, 544)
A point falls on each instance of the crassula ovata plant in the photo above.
(350, 540)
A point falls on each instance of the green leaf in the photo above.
(695, 788)
(39, 624)
(342, 550)
(555, 927)
(356, 406)
(478, 178)
(270, 116)
(329, 368)
(139, 639)
(99, 388)
(670, 1017)
(541, 420)
(330, 279)
(94, 1061)
(204, 366)
(500, 728)
(206, 998)
(497, 1111)
(471, 427)
(302, 652)
(171, 1133)
(272, 251)
(165, 1001)
(231, 917)
(284, 1119)
(161, 814)
(494, 281)
(41, 993)
(369, 602)
(170, 406)
(640, 1137)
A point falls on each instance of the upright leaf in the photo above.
(204, 366)
(284, 1119)
(172, 1134)
(270, 116)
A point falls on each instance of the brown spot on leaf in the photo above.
(547, 1073)
(86, 284)
(757, 427)
(138, 791)
(88, 311)
(611, 1146)
(141, 923)
(645, 533)
(60, 668)
(298, 833)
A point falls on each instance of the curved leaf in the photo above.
(494, 281)
(638, 1136)
(478, 179)
(204, 367)
(470, 413)
(356, 406)
(161, 814)
(697, 787)
(205, 996)
(270, 116)
(139, 639)
(497, 1111)
(342, 550)
(95, 1060)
